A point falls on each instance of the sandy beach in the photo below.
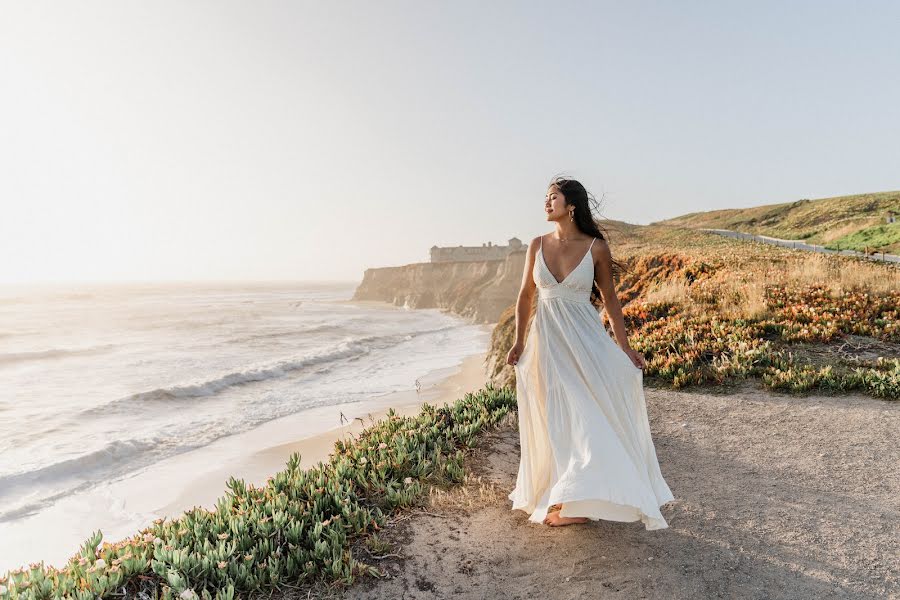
(198, 478)
(257, 466)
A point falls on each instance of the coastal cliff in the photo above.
(486, 291)
(475, 290)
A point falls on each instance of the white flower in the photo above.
(407, 480)
(100, 563)
(188, 594)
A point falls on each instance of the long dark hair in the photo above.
(576, 195)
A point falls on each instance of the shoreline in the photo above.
(167, 489)
(257, 466)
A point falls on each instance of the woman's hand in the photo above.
(514, 353)
(636, 357)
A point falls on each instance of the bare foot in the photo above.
(554, 520)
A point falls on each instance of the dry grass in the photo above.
(669, 290)
(743, 298)
(740, 292)
(474, 491)
(840, 276)
(809, 269)
(869, 277)
(734, 297)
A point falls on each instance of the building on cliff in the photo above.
(486, 251)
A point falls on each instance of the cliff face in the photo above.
(476, 290)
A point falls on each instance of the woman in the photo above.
(585, 438)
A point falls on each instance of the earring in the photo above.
(571, 215)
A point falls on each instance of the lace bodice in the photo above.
(575, 286)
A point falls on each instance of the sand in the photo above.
(776, 497)
(121, 508)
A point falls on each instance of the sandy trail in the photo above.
(776, 497)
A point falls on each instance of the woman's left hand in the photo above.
(636, 357)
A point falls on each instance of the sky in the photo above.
(302, 140)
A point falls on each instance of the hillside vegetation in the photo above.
(843, 222)
(709, 310)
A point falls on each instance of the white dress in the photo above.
(583, 428)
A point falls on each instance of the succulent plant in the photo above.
(296, 528)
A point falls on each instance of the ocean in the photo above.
(99, 382)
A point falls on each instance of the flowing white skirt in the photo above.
(583, 427)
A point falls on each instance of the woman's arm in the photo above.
(604, 278)
(523, 305)
(526, 293)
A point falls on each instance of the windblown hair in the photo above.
(576, 195)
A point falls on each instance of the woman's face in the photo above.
(555, 204)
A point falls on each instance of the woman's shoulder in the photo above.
(599, 248)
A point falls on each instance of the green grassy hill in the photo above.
(845, 222)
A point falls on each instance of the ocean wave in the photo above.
(35, 355)
(323, 328)
(26, 493)
(349, 348)
(97, 464)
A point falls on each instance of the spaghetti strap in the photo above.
(592, 244)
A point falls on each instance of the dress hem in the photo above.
(607, 511)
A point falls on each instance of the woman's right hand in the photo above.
(514, 353)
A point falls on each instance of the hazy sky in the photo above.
(311, 140)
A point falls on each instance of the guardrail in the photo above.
(801, 245)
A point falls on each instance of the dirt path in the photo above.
(776, 497)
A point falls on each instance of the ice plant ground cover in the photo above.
(298, 528)
(718, 310)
